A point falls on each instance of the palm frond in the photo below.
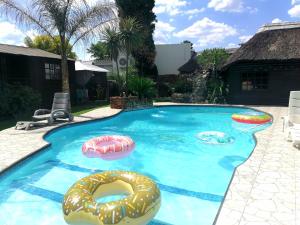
(73, 20)
(29, 16)
(111, 37)
(85, 22)
(130, 31)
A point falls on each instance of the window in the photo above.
(52, 71)
(255, 81)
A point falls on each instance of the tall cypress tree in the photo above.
(142, 10)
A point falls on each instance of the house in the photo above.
(111, 65)
(104, 63)
(90, 82)
(170, 57)
(191, 66)
(35, 68)
(264, 70)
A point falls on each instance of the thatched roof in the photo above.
(230, 51)
(279, 42)
(190, 66)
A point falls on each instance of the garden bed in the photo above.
(131, 102)
(181, 98)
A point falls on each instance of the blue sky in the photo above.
(207, 23)
(219, 23)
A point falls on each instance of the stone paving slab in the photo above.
(265, 190)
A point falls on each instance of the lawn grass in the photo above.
(81, 109)
(76, 111)
(4, 124)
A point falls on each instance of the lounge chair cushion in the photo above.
(42, 117)
(56, 115)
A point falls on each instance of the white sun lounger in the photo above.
(291, 125)
(295, 137)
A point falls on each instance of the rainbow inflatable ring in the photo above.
(108, 147)
(260, 118)
(139, 206)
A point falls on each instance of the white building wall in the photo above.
(122, 58)
(170, 57)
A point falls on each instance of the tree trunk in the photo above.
(65, 74)
(127, 65)
(141, 73)
(64, 67)
(118, 70)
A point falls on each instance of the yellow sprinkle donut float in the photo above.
(139, 207)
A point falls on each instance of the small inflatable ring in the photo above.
(252, 119)
(139, 207)
(108, 147)
(215, 138)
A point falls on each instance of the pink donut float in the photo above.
(108, 147)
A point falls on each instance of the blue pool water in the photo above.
(193, 176)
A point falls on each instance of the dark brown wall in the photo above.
(47, 88)
(283, 78)
(14, 69)
(30, 71)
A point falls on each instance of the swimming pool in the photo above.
(193, 176)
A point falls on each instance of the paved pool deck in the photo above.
(265, 190)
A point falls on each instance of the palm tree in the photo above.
(111, 37)
(130, 37)
(71, 20)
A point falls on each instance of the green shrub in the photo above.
(132, 71)
(164, 90)
(216, 91)
(120, 82)
(213, 59)
(18, 101)
(4, 97)
(142, 87)
(183, 86)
